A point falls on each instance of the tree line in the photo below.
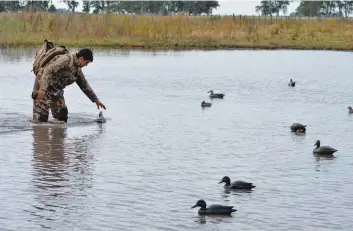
(307, 8)
(121, 7)
(266, 8)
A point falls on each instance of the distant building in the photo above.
(296, 14)
(62, 10)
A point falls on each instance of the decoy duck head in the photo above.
(317, 143)
(201, 203)
(226, 180)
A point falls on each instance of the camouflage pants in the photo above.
(55, 103)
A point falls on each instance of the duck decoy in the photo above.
(297, 127)
(204, 104)
(323, 150)
(101, 118)
(291, 83)
(215, 209)
(215, 95)
(239, 184)
(350, 110)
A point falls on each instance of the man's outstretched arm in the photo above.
(86, 88)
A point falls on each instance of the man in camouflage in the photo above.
(48, 89)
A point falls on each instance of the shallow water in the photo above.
(160, 152)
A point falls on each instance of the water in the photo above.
(160, 152)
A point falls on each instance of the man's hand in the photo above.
(40, 94)
(99, 104)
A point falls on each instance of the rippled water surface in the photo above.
(160, 152)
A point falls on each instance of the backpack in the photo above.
(46, 53)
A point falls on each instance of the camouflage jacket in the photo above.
(62, 71)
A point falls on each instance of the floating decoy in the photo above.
(323, 150)
(350, 110)
(291, 83)
(297, 127)
(215, 95)
(204, 104)
(101, 118)
(215, 209)
(236, 184)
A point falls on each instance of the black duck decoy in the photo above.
(214, 209)
(215, 95)
(323, 150)
(297, 127)
(204, 104)
(291, 83)
(350, 110)
(101, 118)
(236, 184)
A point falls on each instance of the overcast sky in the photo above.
(244, 7)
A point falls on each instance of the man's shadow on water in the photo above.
(61, 175)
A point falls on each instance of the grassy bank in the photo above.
(174, 32)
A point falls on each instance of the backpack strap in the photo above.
(51, 54)
(71, 59)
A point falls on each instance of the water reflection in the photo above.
(322, 161)
(62, 175)
(141, 52)
(112, 52)
(13, 55)
(319, 157)
(294, 134)
(203, 219)
(50, 162)
(18, 54)
(236, 191)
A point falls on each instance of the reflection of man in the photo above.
(61, 177)
(49, 157)
(50, 172)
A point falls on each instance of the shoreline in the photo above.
(181, 47)
(174, 32)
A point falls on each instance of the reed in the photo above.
(174, 32)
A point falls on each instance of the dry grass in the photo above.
(174, 32)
